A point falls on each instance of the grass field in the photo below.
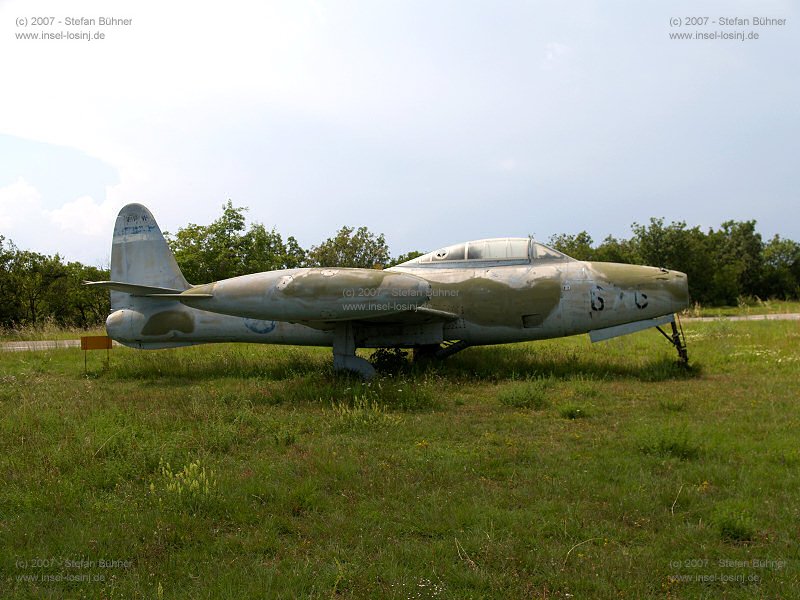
(45, 332)
(555, 469)
(746, 306)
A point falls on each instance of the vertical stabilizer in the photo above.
(140, 254)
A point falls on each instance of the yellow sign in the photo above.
(95, 342)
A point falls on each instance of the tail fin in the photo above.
(140, 255)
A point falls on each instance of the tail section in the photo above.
(140, 256)
(145, 286)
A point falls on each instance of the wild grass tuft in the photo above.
(189, 488)
(285, 435)
(573, 411)
(362, 413)
(675, 443)
(584, 389)
(530, 394)
(672, 405)
(401, 393)
(734, 523)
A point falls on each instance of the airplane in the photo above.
(490, 291)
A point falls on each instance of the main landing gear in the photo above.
(345, 359)
(344, 352)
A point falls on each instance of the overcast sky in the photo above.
(430, 121)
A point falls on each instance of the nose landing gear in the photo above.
(677, 339)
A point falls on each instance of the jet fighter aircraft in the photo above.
(490, 291)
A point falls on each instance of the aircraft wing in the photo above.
(420, 315)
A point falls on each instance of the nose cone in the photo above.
(678, 286)
(660, 291)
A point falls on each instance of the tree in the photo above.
(351, 248)
(616, 251)
(207, 253)
(224, 249)
(404, 258)
(263, 250)
(577, 246)
(294, 255)
(781, 275)
(9, 307)
(33, 276)
(35, 288)
(744, 244)
(737, 254)
(71, 303)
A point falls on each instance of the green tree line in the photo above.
(35, 288)
(723, 264)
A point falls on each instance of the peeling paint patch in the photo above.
(535, 320)
(163, 322)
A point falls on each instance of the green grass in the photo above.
(46, 330)
(522, 471)
(531, 394)
(745, 306)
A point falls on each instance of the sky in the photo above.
(431, 122)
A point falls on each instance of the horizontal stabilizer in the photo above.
(132, 288)
(598, 335)
(178, 296)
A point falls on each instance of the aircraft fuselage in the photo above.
(489, 304)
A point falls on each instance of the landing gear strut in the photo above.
(677, 339)
(344, 352)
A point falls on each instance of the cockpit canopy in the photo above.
(495, 250)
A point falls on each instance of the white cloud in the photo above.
(72, 230)
(20, 204)
(85, 216)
